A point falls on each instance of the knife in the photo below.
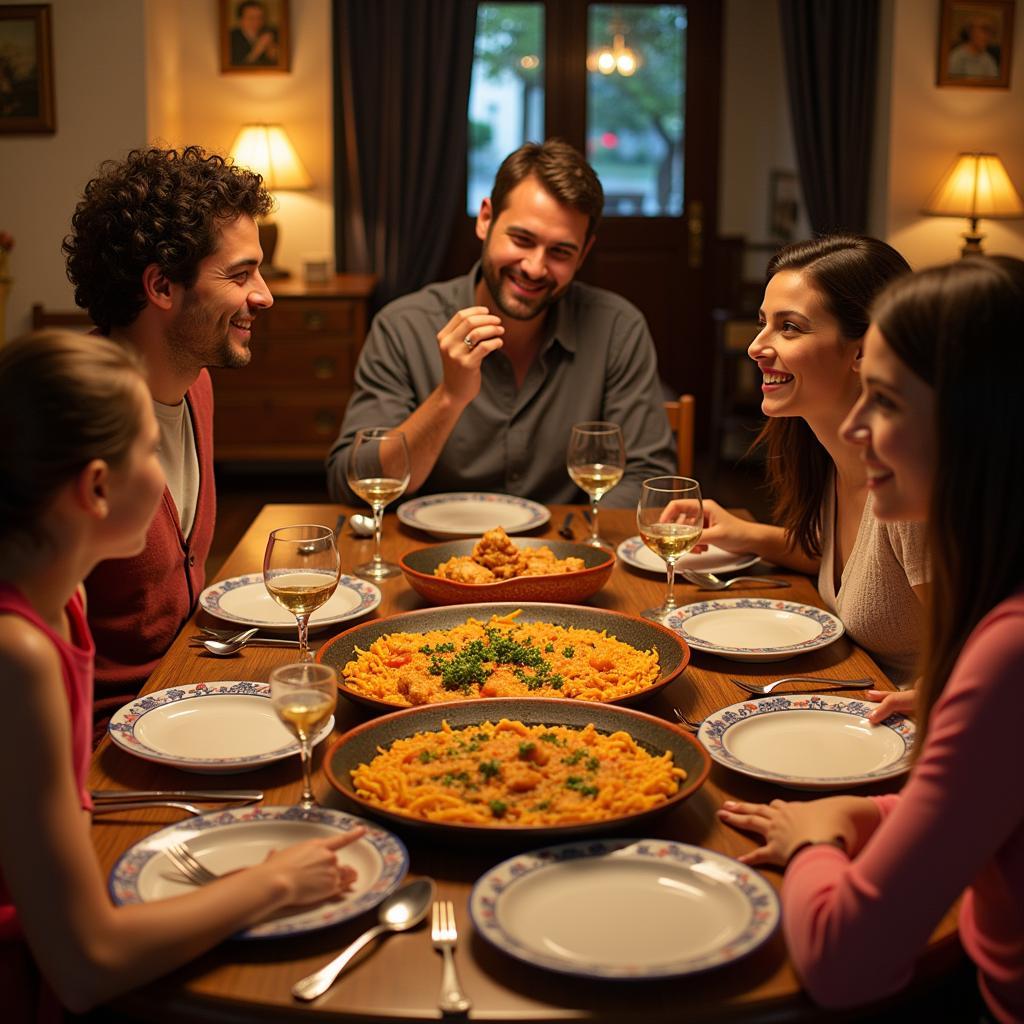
(202, 795)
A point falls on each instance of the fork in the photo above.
(443, 934)
(709, 581)
(832, 684)
(188, 864)
(686, 723)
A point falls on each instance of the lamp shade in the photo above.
(976, 186)
(267, 150)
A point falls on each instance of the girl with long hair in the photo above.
(81, 481)
(813, 319)
(942, 442)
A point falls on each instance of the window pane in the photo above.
(506, 97)
(636, 77)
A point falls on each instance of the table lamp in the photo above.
(976, 186)
(266, 149)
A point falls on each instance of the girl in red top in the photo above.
(81, 481)
(942, 439)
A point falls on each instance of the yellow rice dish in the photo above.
(499, 658)
(511, 774)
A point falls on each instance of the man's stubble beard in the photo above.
(194, 341)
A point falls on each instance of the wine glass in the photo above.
(378, 471)
(596, 460)
(300, 570)
(304, 695)
(669, 531)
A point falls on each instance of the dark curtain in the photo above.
(831, 55)
(401, 93)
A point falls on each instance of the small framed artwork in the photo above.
(254, 36)
(976, 43)
(26, 70)
(783, 204)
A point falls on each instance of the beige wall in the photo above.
(930, 125)
(99, 65)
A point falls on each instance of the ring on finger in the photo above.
(470, 343)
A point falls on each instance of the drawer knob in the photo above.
(325, 422)
(324, 368)
(314, 320)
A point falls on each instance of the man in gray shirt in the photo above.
(487, 373)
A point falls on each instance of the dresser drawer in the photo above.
(305, 316)
(278, 418)
(298, 363)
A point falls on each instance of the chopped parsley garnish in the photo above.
(427, 756)
(549, 648)
(526, 749)
(593, 764)
(575, 757)
(498, 808)
(575, 782)
(488, 769)
(568, 652)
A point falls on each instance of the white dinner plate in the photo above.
(213, 728)
(246, 601)
(624, 908)
(809, 741)
(243, 836)
(636, 553)
(754, 628)
(471, 513)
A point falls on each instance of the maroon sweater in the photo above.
(137, 605)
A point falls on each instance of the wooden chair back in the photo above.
(680, 418)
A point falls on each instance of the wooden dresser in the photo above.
(287, 404)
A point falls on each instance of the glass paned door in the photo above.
(636, 77)
(506, 99)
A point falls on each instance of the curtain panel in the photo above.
(401, 91)
(831, 55)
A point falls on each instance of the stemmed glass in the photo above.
(304, 695)
(300, 569)
(378, 471)
(670, 515)
(596, 460)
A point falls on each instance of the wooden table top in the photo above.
(400, 978)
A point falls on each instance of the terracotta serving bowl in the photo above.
(563, 588)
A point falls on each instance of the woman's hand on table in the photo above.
(787, 825)
(309, 872)
(889, 703)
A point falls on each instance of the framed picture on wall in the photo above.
(783, 205)
(26, 70)
(976, 43)
(254, 36)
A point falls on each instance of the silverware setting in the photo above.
(687, 723)
(565, 530)
(223, 648)
(217, 637)
(709, 581)
(823, 681)
(114, 807)
(308, 549)
(443, 934)
(247, 796)
(402, 910)
(189, 865)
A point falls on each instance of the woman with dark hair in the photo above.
(814, 316)
(942, 440)
(81, 483)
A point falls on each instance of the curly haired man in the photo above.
(164, 255)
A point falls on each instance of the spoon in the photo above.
(401, 911)
(362, 526)
(709, 581)
(223, 648)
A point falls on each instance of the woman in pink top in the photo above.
(942, 439)
(81, 480)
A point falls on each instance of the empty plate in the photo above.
(207, 727)
(754, 628)
(471, 513)
(810, 741)
(244, 836)
(624, 908)
(636, 553)
(246, 601)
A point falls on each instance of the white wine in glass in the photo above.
(301, 567)
(670, 516)
(378, 471)
(304, 695)
(596, 460)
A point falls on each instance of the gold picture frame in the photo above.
(26, 70)
(976, 43)
(255, 36)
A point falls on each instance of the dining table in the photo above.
(398, 978)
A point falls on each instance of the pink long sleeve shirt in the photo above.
(854, 928)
